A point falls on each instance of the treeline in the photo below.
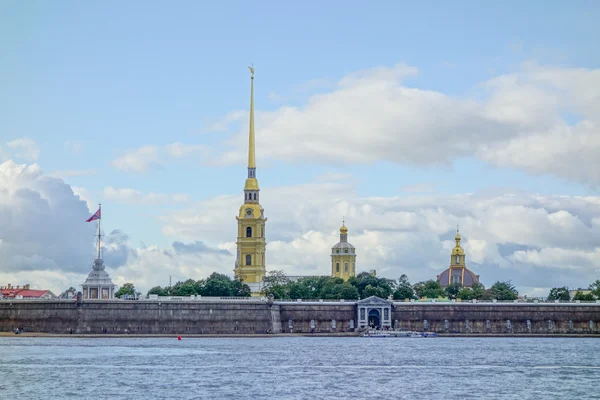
(562, 293)
(215, 285)
(365, 284)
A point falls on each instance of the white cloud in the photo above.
(24, 148)
(411, 234)
(536, 241)
(138, 160)
(147, 157)
(512, 120)
(133, 196)
(43, 223)
(180, 150)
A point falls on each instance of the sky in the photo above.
(405, 118)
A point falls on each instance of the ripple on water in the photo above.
(299, 368)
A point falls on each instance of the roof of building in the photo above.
(31, 293)
(468, 279)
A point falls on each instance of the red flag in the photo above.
(95, 216)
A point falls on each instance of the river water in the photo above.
(299, 368)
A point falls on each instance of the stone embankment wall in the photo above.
(256, 316)
(137, 317)
(498, 318)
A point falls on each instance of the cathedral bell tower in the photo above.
(251, 243)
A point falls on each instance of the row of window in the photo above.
(337, 267)
(345, 250)
(251, 196)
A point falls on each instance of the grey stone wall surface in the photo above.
(256, 316)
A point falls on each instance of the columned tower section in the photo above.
(251, 243)
(343, 257)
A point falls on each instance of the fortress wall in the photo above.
(322, 314)
(255, 316)
(473, 318)
(137, 317)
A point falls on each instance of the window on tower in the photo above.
(337, 267)
(345, 267)
(254, 196)
(249, 231)
(248, 259)
(458, 259)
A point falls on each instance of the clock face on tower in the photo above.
(248, 211)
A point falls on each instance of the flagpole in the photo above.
(99, 219)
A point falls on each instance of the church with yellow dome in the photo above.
(457, 272)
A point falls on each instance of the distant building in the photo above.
(24, 292)
(98, 285)
(458, 271)
(572, 292)
(343, 257)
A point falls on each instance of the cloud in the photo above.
(512, 120)
(198, 247)
(138, 160)
(42, 222)
(413, 234)
(24, 149)
(133, 196)
(148, 157)
(536, 241)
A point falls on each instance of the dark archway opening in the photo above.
(374, 319)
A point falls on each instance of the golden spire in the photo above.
(251, 157)
(457, 237)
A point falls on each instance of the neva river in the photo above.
(299, 368)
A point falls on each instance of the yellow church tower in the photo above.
(251, 243)
(343, 257)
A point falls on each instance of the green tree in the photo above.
(503, 291)
(159, 291)
(476, 291)
(186, 288)
(364, 279)
(452, 290)
(275, 284)
(559, 293)
(240, 289)
(126, 289)
(347, 291)
(375, 291)
(404, 289)
(299, 290)
(583, 296)
(430, 289)
(218, 285)
(595, 288)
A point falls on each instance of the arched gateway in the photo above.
(374, 312)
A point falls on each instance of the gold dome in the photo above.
(343, 229)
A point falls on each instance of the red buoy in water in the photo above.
(179, 337)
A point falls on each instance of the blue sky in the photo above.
(109, 77)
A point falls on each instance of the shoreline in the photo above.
(280, 335)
